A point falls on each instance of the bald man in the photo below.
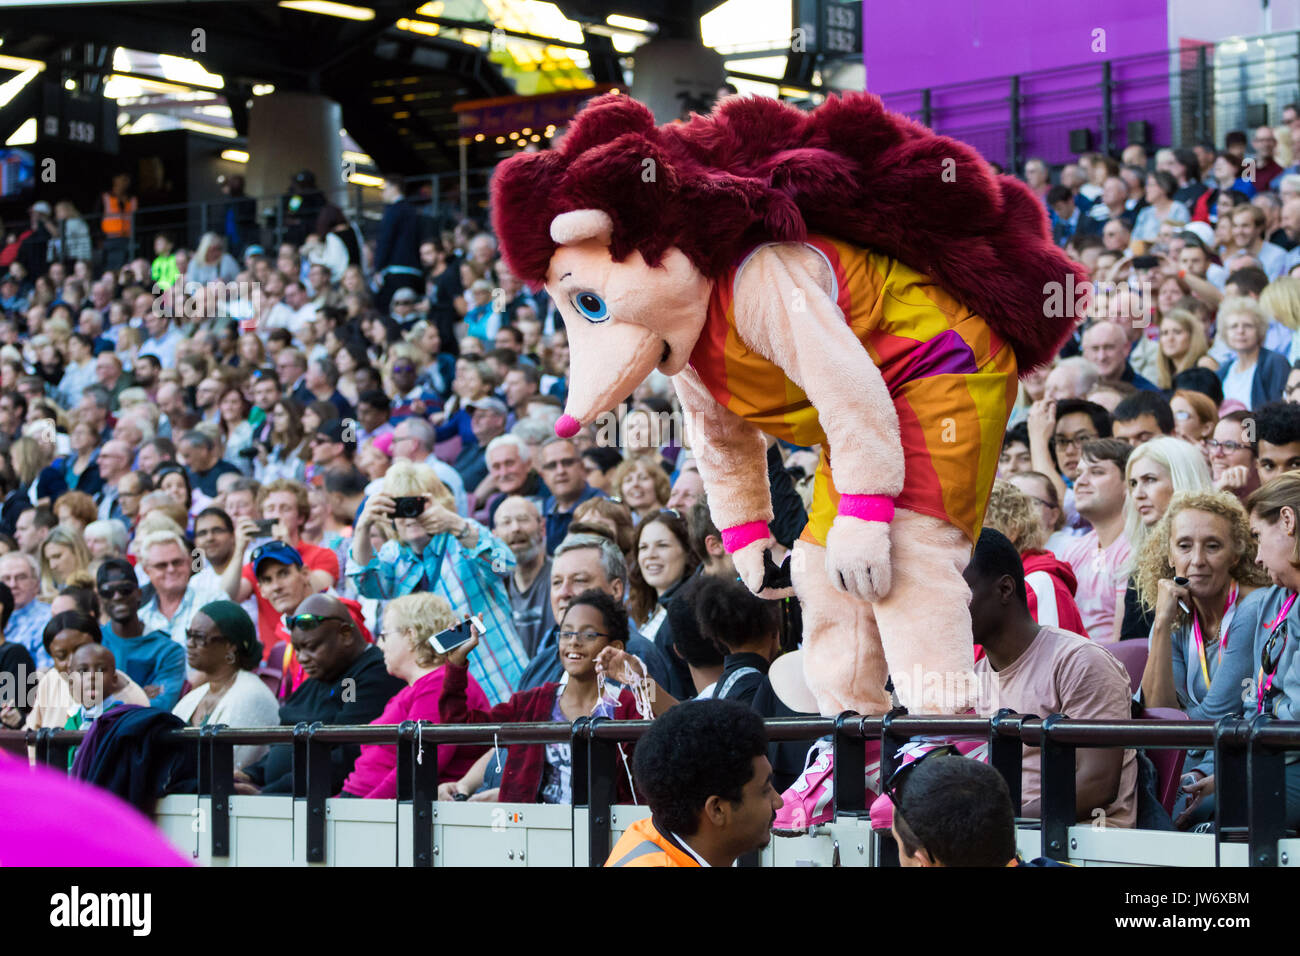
(346, 684)
(115, 460)
(1106, 347)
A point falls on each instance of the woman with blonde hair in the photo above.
(1182, 345)
(429, 547)
(1281, 300)
(63, 554)
(1050, 583)
(641, 485)
(1156, 471)
(1202, 649)
(31, 461)
(409, 625)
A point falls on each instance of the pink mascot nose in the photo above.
(567, 426)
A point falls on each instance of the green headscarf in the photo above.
(235, 626)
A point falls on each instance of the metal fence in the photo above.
(1198, 92)
(1250, 761)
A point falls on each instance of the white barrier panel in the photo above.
(272, 831)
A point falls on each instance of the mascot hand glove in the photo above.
(749, 544)
(857, 546)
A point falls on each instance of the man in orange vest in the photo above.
(704, 772)
(117, 221)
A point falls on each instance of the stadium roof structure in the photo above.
(397, 69)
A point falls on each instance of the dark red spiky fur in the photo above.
(759, 170)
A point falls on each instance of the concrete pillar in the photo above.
(289, 132)
(667, 67)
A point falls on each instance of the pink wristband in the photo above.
(868, 507)
(736, 537)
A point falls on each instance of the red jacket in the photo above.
(521, 779)
(1050, 587)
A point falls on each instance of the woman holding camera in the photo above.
(410, 625)
(429, 547)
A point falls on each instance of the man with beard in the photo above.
(519, 524)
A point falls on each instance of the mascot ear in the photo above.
(570, 228)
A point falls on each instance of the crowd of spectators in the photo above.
(258, 484)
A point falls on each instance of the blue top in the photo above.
(152, 658)
(1283, 698)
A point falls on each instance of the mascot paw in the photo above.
(754, 565)
(857, 557)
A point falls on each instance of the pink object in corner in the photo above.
(868, 507)
(737, 536)
(566, 426)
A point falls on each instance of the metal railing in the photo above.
(1185, 95)
(1250, 760)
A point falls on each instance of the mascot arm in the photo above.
(785, 311)
(732, 458)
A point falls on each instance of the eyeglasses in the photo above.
(896, 779)
(194, 639)
(582, 637)
(309, 622)
(121, 589)
(1228, 446)
(1273, 646)
(1062, 442)
(561, 463)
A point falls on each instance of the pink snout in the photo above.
(567, 426)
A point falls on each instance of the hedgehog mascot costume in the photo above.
(842, 278)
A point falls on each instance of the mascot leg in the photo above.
(925, 619)
(920, 634)
(844, 666)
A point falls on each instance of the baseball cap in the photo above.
(1202, 231)
(490, 403)
(42, 207)
(276, 551)
(254, 250)
(405, 295)
(334, 431)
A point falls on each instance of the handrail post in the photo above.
(579, 757)
(1231, 793)
(1013, 128)
(318, 791)
(1107, 108)
(300, 760)
(600, 788)
(221, 779)
(1266, 773)
(891, 742)
(1057, 779)
(424, 793)
(1006, 753)
(849, 772)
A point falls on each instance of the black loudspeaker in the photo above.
(1080, 140)
(1139, 133)
(1257, 114)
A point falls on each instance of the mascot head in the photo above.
(628, 224)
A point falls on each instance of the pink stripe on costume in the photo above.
(737, 536)
(868, 507)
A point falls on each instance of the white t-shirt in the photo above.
(1237, 384)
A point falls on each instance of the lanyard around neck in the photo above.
(1229, 609)
(1263, 683)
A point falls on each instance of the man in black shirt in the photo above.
(346, 684)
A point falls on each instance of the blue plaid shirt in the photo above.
(471, 581)
(27, 627)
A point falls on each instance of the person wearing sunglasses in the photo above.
(346, 683)
(151, 659)
(953, 812)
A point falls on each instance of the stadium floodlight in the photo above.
(328, 8)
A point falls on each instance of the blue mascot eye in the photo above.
(591, 306)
